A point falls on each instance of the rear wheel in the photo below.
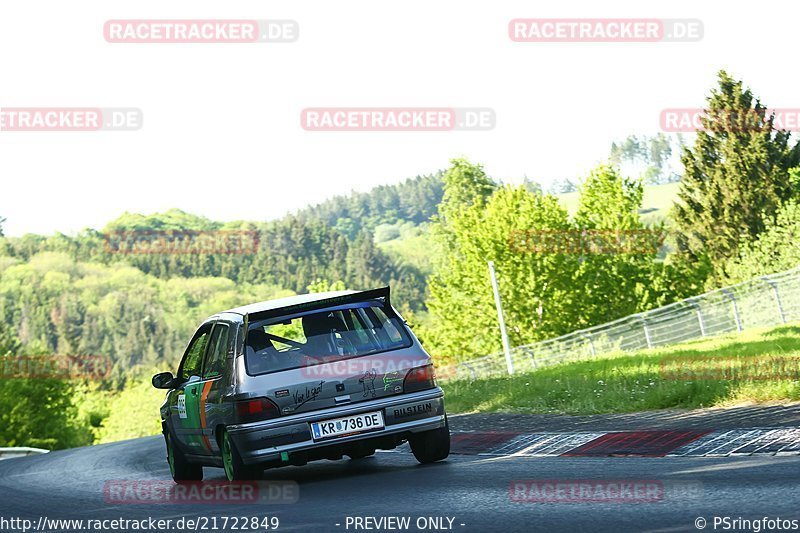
(180, 468)
(431, 446)
(235, 469)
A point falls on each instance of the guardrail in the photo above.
(9, 453)
(765, 301)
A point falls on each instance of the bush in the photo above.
(133, 413)
(386, 232)
(40, 413)
(774, 250)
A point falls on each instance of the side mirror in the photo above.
(164, 380)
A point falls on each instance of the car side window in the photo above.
(190, 366)
(214, 364)
(390, 327)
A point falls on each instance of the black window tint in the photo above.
(391, 327)
(194, 355)
(218, 350)
(318, 337)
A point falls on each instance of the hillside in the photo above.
(658, 199)
(390, 244)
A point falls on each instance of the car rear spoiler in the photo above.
(373, 294)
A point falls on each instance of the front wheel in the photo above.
(235, 469)
(431, 446)
(180, 468)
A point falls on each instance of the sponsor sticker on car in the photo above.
(347, 425)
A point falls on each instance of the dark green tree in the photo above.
(465, 185)
(736, 177)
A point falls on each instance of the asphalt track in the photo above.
(473, 490)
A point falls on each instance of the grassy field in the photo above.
(416, 250)
(656, 203)
(754, 366)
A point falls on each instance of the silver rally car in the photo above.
(287, 381)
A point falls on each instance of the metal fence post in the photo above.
(473, 375)
(646, 331)
(732, 296)
(501, 320)
(591, 342)
(774, 286)
(697, 310)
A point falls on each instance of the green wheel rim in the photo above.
(170, 456)
(227, 457)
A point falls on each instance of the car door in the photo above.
(186, 415)
(213, 379)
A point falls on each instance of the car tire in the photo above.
(235, 469)
(431, 446)
(179, 467)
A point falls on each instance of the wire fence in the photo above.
(765, 301)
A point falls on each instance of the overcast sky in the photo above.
(222, 135)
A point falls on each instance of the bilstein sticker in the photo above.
(405, 412)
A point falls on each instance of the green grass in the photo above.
(656, 203)
(754, 366)
(413, 247)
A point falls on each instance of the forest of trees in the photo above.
(292, 252)
(78, 295)
(738, 216)
(649, 155)
(414, 200)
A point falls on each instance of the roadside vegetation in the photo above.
(727, 212)
(754, 366)
(657, 202)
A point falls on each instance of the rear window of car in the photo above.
(322, 337)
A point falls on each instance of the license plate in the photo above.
(347, 425)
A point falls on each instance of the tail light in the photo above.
(255, 409)
(420, 378)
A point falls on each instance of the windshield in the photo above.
(322, 337)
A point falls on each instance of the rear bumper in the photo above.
(407, 413)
